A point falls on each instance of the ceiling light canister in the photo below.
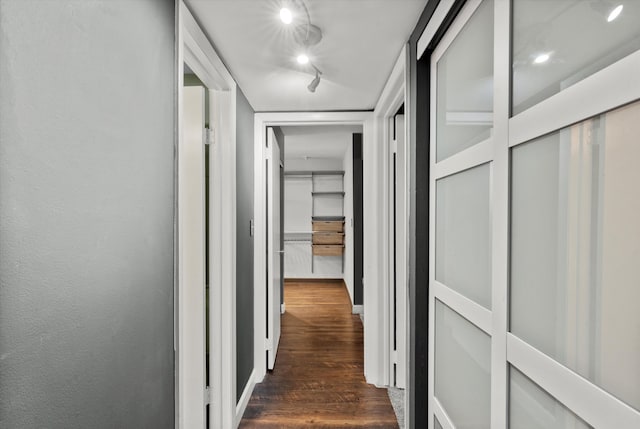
(286, 16)
(615, 13)
(542, 58)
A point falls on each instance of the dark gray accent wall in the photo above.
(419, 148)
(244, 244)
(87, 116)
(358, 220)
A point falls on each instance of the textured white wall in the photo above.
(86, 213)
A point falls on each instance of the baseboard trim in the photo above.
(244, 399)
(357, 309)
(312, 280)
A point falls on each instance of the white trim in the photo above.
(477, 154)
(611, 87)
(456, 27)
(195, 50)
(499, 206)
(431, 402)
(433, 25)
(378, 357)
(371, 262)
(592, 404)
(442, 416)
(244, 399)
(473, 312)
(283, 308)
(357, 309)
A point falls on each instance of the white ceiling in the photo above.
(318, 141)
(361, 42)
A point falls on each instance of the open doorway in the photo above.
(205, 213)
(319, 205)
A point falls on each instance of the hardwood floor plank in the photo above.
(318, 378)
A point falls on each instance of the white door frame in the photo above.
(393, 96)
(196, 51)
(373, 158)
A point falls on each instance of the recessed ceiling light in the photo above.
(615, 13)
(286, 16)
(302, 59)
(542, 58)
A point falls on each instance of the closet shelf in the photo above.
(327, 193)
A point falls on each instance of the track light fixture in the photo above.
(316, 80)
(305, 34)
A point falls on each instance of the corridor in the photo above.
(318, 377)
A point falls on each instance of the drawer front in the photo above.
(327, 250)
(328, 225)
(328, 238)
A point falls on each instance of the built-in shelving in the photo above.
(327, 218)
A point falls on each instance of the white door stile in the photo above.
(499, 206)
(431, 403)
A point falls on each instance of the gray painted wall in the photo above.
(86, 213)
(244, 245)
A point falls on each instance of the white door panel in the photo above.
(273, 248)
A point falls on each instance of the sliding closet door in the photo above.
(534, 226)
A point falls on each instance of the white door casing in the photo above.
(195, 50)
(398, 283)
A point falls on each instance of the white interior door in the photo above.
(191, 260)
(274, 251)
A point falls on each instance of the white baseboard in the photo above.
(283, 308)
(244, 399)
(357, 309)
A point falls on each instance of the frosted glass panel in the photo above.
(557, 43)
(530, 407)
(465, 86)
(463, 234)
(462, 370)
(575, 249)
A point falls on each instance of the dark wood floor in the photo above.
(318, 378)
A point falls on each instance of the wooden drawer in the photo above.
(328, 238)
(328, 250)
(328, 225)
